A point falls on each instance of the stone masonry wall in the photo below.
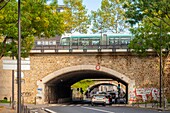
(144, 70)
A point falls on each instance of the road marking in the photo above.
(49, 111)
(98, 110)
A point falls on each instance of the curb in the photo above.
(159, 109)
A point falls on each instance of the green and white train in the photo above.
(96, 39)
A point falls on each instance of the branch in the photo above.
(162, 20)
(4, 46)
(1, 1)
(4, 4)
(153, 23)
(166, 12)
(166, 22)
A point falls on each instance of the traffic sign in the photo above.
(12, 64)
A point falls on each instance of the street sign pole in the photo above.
(12, 84)
(19, 60)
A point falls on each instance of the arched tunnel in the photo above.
(105, 83)
(58, 89)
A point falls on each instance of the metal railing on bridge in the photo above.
(88, 48)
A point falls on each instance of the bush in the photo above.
(4, 101)
(168, 100)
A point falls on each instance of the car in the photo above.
(98, 99)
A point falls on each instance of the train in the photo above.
(87, 40)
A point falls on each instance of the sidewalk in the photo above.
(147, 106)
(6, 108)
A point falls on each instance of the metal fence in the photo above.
(67, 47)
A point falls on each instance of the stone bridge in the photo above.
(51, 75)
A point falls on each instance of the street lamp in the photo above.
(160, 92)
(11, 41)
(19, 61)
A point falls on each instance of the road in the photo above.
(100, 109)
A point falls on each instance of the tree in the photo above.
(3, 3)
(109, 17)
(37, 20)
(137, 10)
(75, 16)
(147, 36)
(84, 84)
(153, 32)
(153, 18)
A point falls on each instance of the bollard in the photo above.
(25, 109)
(10, 101)
(35, 101)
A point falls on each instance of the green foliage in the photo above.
(168, 100)
(109, 17)
(148, 36)
(153, 28)
(84, 84)
(75, 16)
(4, 101)
(137, 10)
(37, 20)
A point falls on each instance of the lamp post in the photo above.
(19, 61)
(12, 82)
(160, 92)
(11, 42)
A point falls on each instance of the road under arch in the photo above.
(105, 83)
(56, 87)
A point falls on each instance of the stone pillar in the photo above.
(131, 91)
(40, 92)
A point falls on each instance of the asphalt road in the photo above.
(101, 109)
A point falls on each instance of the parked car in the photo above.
(98, 99)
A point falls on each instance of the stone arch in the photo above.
(41, 84)
(103, 82)
(114, 83)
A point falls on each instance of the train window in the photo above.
(38, 43)
(52, 42)
(65, 41)
(95, 42)
(42, 42)
(75, 42)
(111, 42)
(85, 42)
(46, 43)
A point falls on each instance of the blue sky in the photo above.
(90, 4)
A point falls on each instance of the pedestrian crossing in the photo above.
(63, 105)
(72, 105)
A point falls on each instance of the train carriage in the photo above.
(96, 39)
(85, 41)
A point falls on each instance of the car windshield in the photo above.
(99, 96)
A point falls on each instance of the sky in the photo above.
(90, 4)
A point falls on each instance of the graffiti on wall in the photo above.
(144, 94)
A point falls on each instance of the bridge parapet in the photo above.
(80, 49)
(77, 51)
